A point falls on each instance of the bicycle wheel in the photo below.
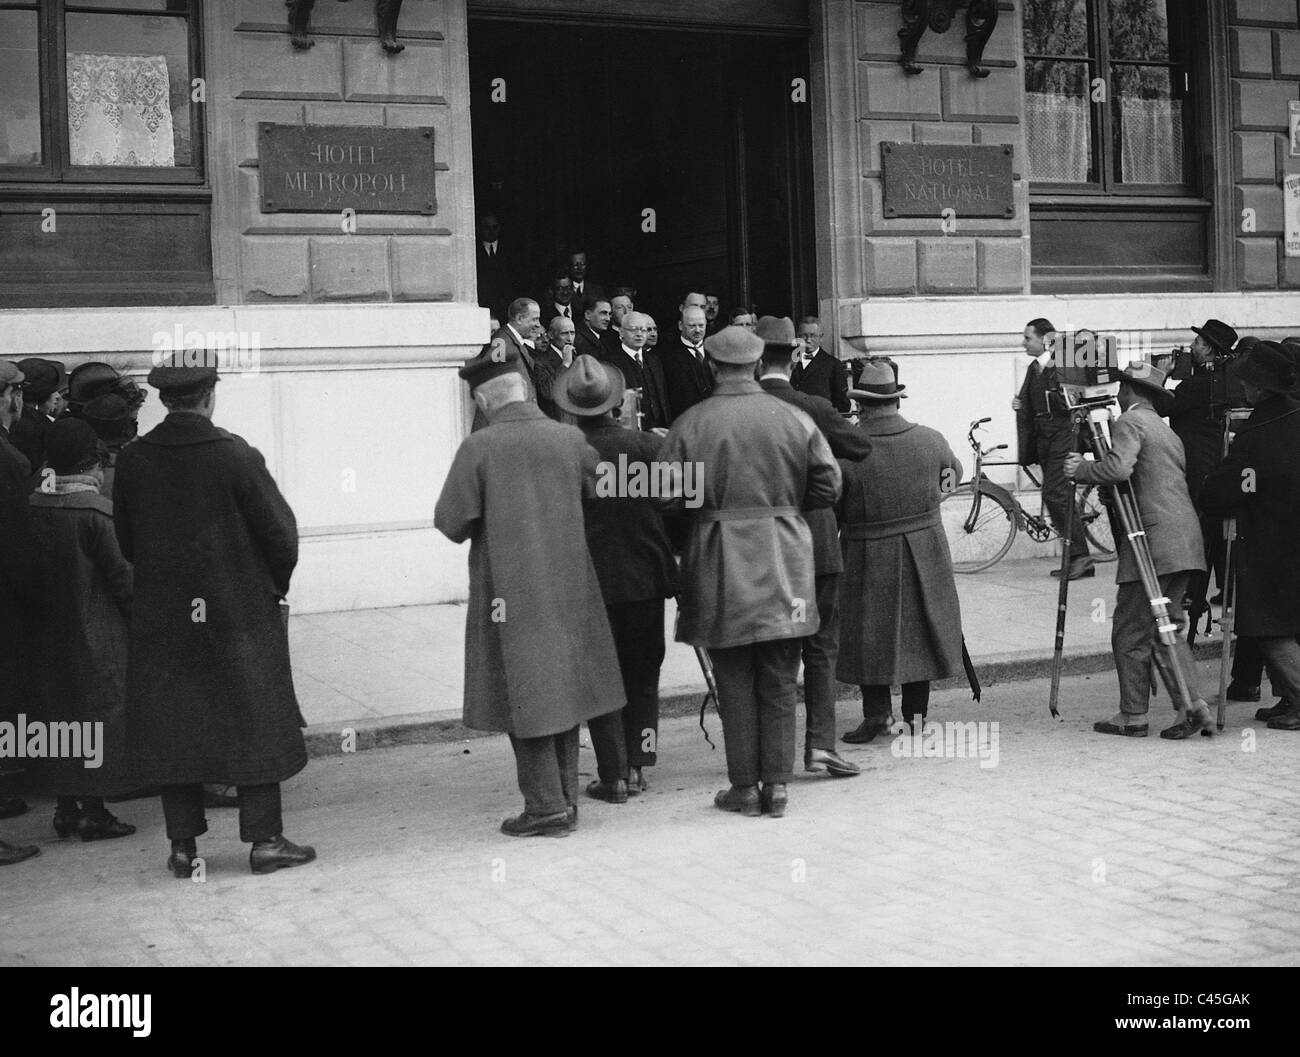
(987, 537)
(1096, 524)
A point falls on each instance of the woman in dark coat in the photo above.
(80, 642)
(900, 618)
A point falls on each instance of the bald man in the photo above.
(687, 378)
(629, 356)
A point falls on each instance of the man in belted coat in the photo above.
(539, 656)
(748, 591)
(1045, 436)
(1145, 451)
(636, 568)
(900, 617)
(821, 649)
(1259, 484)
(209, 688)
(20, 583)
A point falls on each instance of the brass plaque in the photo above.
(329, 168)
(924, 179)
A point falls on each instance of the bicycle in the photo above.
(981, 518)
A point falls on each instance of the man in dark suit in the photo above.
(820, 649)
(589, 339)
(1045, 435)
(635, 565)
(554, 353)
(583, 285)
(628, 355)
(712, 314)
(619, 306)
(523, 325)
(559, 300)
(496, 266)
(1145, 451)
(687, 377)
(820, 373)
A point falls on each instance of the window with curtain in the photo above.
(1106, 88)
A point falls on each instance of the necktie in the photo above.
(565, 310)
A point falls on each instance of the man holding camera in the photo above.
(1046, 437)
(1145, 451)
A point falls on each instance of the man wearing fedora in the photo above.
(539, 656)
(20, 584)
(900, 616)
(1145, 452)
(635, 565)
(1199, 406)
(748, 591)
(209, 687)
(820, 649)
(1259, 484)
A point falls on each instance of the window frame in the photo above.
(56, 169)
(1102, 125)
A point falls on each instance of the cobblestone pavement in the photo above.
(1074, 848)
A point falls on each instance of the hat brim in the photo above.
(1225, 349)
(1143, 383)
(862, 394)
(618, 386)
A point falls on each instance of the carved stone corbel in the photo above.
(386, 16)
(938, 15)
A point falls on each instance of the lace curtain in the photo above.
(1058, 130)
(118, 110)
(1152, 141)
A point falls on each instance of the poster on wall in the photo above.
(1291, 201)
(1293, 123)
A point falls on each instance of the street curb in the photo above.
(423, 728)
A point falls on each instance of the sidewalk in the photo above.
(397, 675)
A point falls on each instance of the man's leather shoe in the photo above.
(12, 853)
(868, 729)
(1288, 721)
(1274, 711)
(102, 825)
(1079, 569)
(743, 799)
(636, 782)
(1197, 721)
(830, 761)
(774, 798)
(278, 853)
(1240, 692)
(12, 806)
(181, 861)
(1136, 730)
(526, 825)
(610, 792)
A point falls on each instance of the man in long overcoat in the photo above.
(539, 656)
(821, 648)
(209, 688)
(1145, 451)
(748, 593)
(1259, 484)
(20, 585)
(900, 618)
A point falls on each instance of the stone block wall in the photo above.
(1264, 49)
(345, 78)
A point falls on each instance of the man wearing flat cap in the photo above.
(748, 592)
(209, 689)
(42, 404)
(539, 656)
(20, 583)
(1259, 484)
(821, 649)
(635, 565)
(1145, 452)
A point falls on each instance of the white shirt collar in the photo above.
(520, 338)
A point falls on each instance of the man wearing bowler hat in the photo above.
(539, 657)
(820, 649)
(1259, 484)
(209, 689)
(1145, 451)
(748, 591)
(635, 565)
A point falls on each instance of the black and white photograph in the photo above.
(692, 483)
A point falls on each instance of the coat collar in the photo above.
(775, 382)
(886, 426)
(1279, 405)
(73, 501)
(181, 428)
(736, 387)
(519, 411)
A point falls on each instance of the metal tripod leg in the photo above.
(1063, 588)
(1228, 616)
